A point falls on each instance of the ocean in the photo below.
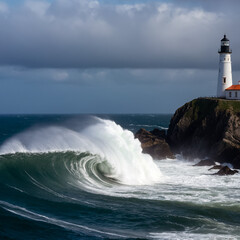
(84, 177)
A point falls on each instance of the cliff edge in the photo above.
(207, 128)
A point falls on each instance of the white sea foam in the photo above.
(191, 236)
(105, 138)
(183, 182)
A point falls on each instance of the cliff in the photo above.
(207, 127)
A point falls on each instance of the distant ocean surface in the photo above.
(84, 177)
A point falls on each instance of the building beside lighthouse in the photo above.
(225, 88)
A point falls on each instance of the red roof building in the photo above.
(233, 92)
(234, 87)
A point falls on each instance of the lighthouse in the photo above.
(225, 68)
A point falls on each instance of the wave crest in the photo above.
(117, 155)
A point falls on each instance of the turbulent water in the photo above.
(82, 177)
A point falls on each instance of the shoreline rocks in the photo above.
(215, 167)
(226, 171)
(204, 128)
(154, 143)
(207, 162)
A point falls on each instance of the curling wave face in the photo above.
(101, 150)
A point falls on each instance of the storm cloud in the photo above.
(92, 34)
(112, 56)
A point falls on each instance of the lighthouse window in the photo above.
(224, 79)
(236, 94)
(230, 94)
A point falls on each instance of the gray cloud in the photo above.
(34, 90)
(25, 90)
(89, 34)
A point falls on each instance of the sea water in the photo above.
(85, 177)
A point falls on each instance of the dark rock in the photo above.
(159, 133)
(154, 145)
(207, 127)
(207, 162)
(215, 167)
(226, 171)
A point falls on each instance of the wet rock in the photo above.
(154, 144)
(207, 162)
(159, 133)
(215, 167)
(226, 171)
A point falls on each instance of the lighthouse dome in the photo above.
(225, 38)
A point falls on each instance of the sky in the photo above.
(112, 56)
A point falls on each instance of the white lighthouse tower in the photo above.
(225, 68)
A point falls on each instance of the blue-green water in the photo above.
(84, 177)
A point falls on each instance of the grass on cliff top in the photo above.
(224, 104)
(201, 107)
(233, 105)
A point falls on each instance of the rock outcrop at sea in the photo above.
(208, 162)
(154, 143)
(226, 171)
(207, 128)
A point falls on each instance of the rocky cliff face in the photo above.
(207, 127)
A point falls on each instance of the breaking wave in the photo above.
(101, 153)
